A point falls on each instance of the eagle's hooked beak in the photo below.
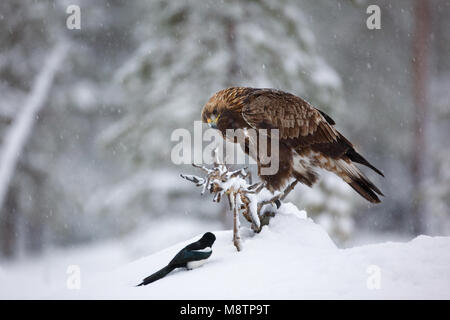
(212, 122)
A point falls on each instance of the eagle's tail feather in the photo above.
(368, 194)
(353, 155)
(359, 182)
(157, 275)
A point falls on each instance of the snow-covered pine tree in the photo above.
(58, 165)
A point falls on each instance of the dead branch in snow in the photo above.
(242, 195)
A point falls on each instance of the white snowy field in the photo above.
(293, 258)
(45, 276)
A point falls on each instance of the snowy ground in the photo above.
(45, 276)
(294, 258)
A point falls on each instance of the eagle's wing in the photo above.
(295, 118)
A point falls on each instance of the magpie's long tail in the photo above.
(157, 275)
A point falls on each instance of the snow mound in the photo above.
(293, 258)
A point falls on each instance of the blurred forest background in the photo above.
(94, 161)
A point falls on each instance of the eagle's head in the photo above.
(222, 104)
(213, 109)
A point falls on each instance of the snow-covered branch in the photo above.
(243, 197)
(22, 125)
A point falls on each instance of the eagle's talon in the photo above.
(278, 203)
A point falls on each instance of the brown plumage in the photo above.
(307, 137)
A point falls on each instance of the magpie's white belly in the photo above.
(195, 264)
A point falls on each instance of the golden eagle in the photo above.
(307, 137)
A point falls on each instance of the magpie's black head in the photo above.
(208, 239)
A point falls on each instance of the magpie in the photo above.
(190, 257)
